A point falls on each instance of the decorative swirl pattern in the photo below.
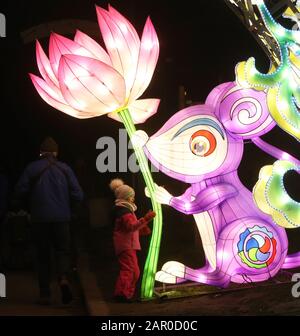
(248, 110)
(272, 198)
(281, 85)
(283, 81)
(244, 112)
(257, 247)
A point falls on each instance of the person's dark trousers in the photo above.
(54, 235)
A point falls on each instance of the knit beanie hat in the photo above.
(122, 191)
(49, 145)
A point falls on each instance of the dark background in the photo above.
(200, 41)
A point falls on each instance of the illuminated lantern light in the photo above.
(202, 145)
(126, 70)
(83, 80)
(257, 248)
(242, 242)
(272, 198)
(283, 97)
(282, 81)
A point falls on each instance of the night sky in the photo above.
(200, 41)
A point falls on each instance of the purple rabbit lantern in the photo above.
(203, 145)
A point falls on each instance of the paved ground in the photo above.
(99, 271)
(269, 299)
(22, 294)
(97, 274)
(273, 299)
(22, 291)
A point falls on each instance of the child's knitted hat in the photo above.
(121, 190)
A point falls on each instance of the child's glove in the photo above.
(149, 215)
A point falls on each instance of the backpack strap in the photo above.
(34, 180)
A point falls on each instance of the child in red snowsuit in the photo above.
(126, 239)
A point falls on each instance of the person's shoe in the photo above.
(123, 299)
(44, 301)
(66, 293)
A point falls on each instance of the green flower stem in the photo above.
(153, 253)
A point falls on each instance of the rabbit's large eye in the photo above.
(202, 143)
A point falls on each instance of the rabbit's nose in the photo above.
(139, 139)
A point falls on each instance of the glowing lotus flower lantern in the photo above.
(83, 80)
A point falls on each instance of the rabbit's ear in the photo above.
(244, 112)
(215, 96)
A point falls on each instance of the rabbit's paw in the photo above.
(161, 195)
(175, 268)
(139, 139)
(167, 278)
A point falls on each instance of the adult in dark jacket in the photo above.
(126, 234)
(49, 186)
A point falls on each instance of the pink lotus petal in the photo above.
(126, 27)
(148, 57)
(90, 85)
(60, 45)
(51, 98)
(45, 66)
(92, 46)
(140, 110)
(121, 43)
(51, 89)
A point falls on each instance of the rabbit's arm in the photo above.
(205, 200)
(186, 196)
